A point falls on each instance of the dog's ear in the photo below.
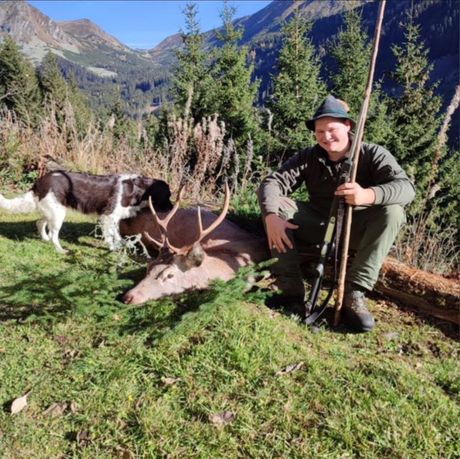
(138, 189)
(133, 192)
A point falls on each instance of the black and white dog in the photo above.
(112, 197)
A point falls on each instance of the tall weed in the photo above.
(428, 247)
(197, 155)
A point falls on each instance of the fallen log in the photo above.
(427, 292)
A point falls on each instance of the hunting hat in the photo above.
(332, 107)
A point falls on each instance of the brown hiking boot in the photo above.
(355, 312)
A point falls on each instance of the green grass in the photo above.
(148, 381)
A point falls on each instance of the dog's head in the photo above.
(138, 189)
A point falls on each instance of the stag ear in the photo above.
(196, 256)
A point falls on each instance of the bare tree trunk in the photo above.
(429, 293)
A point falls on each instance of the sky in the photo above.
(143, 24)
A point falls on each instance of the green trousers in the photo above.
(373, 232)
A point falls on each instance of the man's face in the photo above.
(332, 135)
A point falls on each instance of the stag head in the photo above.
(173, 270)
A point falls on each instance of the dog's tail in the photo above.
(20, 205)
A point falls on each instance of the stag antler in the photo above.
(163, 223)
(217, 222)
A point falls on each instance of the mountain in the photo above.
(34, 31)
(103, 65)
(91, 35)
(260, 26)
(165, 52)
(268, 20)
(100, 62)
(438, 20)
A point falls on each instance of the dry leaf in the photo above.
(221, 419)
(56, 409)
(19, 404)
(70, 354)
(391, 336)
(99, 342)
(124, 453)
(83, 437)
(287, 406)
(140, 401)
(169, 381)
(73, 407)
(290, 368)
(61, 339)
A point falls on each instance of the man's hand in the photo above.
(276, 232)
(355, 195)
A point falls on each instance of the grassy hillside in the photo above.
(208, 374)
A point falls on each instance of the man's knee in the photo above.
(377, 223)
(392, 215)
(287, 208)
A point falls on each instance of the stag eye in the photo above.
(166, 274)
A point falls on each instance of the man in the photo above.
(378, 197)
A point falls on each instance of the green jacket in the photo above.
(377, 169)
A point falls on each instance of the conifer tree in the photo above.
(191, 76)
(415, 111)
(124, 129)
(59, 93)
(233, 93)
(53, 84)
(80, 104)
(298, 88)
(351, 52)
(441, 195)
(445, 202)
(19, 89)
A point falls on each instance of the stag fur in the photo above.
(187, 259)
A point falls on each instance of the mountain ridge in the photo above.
(100, 61)
(33, 30)
(89, 32)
